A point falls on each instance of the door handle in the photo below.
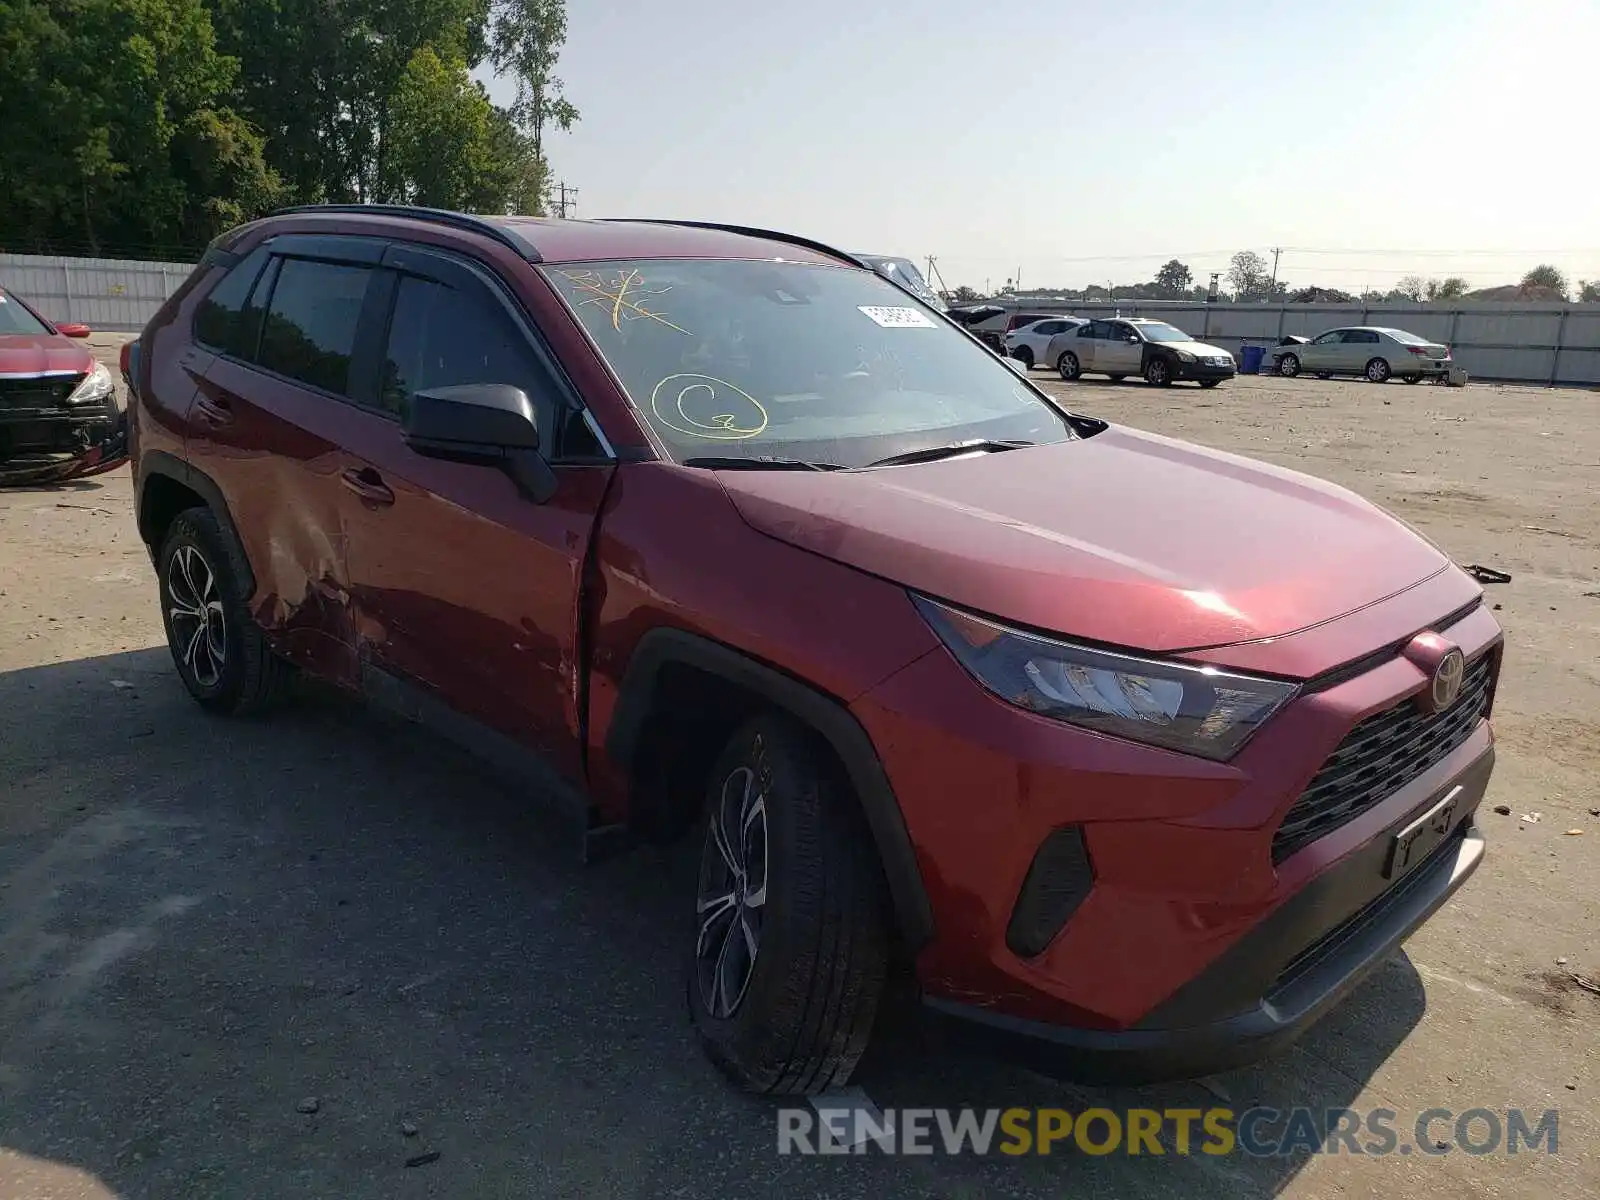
(368, 484)
(215, 411)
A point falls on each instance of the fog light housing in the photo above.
(1058, 881)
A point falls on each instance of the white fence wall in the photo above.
(1538, 343)
(103, 293)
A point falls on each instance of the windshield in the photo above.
(904, 271)
(738, 359)
(1160, 331)
(16, 319)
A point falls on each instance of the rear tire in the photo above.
(791, 946)
(221, 653)
(1378, 370)
(1067, 366)
(1158, 373)
(1289, 365)
(1024, 356)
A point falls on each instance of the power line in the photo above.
(567, 200)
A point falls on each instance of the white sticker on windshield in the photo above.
(893, 317)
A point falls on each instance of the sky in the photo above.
(1082, 144)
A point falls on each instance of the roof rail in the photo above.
(770, 235)
(503, 234)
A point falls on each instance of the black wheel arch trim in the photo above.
(827, 717)
(159, 462)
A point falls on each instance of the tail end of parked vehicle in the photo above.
(791, 945)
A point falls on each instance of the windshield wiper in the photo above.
(929, 453)
(730, 463)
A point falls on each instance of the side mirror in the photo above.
(73, 329)
(492, 424)
(1131, 340)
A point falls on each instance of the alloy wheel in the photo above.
(732, 897)
(195, 615)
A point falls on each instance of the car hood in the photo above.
(1198, 349)
(34, 354)
(1125, 538)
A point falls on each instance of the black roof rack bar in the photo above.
(506, 236)
(771, 235)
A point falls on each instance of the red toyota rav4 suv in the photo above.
(1142, 754)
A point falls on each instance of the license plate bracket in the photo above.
(1418, 839)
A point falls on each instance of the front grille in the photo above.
(1379, 757)
(38, 391)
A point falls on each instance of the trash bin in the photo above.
(1250, 359)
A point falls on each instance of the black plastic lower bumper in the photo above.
(1266, 991)
(1203, 371)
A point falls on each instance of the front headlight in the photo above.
(96, 385)
(1181, 706)
(1185, 356)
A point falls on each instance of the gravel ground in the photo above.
(289, 957)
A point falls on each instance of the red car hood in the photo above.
(34, 354)
(1124, 538)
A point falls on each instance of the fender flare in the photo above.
(159, 462)
(821, 713)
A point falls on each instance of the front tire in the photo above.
(1378, 370)
(791, 944)
(1289, 365)
(1158, 372)
(221, 654)
(1067, 366)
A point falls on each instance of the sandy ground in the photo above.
(206, 926)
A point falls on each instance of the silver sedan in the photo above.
(1377, 352)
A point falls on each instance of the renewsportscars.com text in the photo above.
(1258, 1132)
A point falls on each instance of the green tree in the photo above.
(965, 295)
(1411, 287)
(1589, 291)
(119, 132)
(525, 40)
(1451, 288)
(1546, 276)
(1247, 272)
(1174, 279)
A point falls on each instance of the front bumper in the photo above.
(1271, 986)
(1200, 370)
(44, 446)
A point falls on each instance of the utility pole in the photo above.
(1272, 292)
(567, 200)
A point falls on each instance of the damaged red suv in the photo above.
(1140, 755)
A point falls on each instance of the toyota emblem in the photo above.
(1447, 677)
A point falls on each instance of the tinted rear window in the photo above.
(310, 329)
(216, 318)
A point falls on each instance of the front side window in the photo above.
(440, 337)
(1328, 339)
(830, 365)
(309, 330)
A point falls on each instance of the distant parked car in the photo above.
(1160, 352)
(58, 412)
(1374, 351)
(1029, 344)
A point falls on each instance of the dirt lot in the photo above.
(206, 926)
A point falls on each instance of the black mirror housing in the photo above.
(488, 423)
(489, 415)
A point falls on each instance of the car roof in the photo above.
(550, 240)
